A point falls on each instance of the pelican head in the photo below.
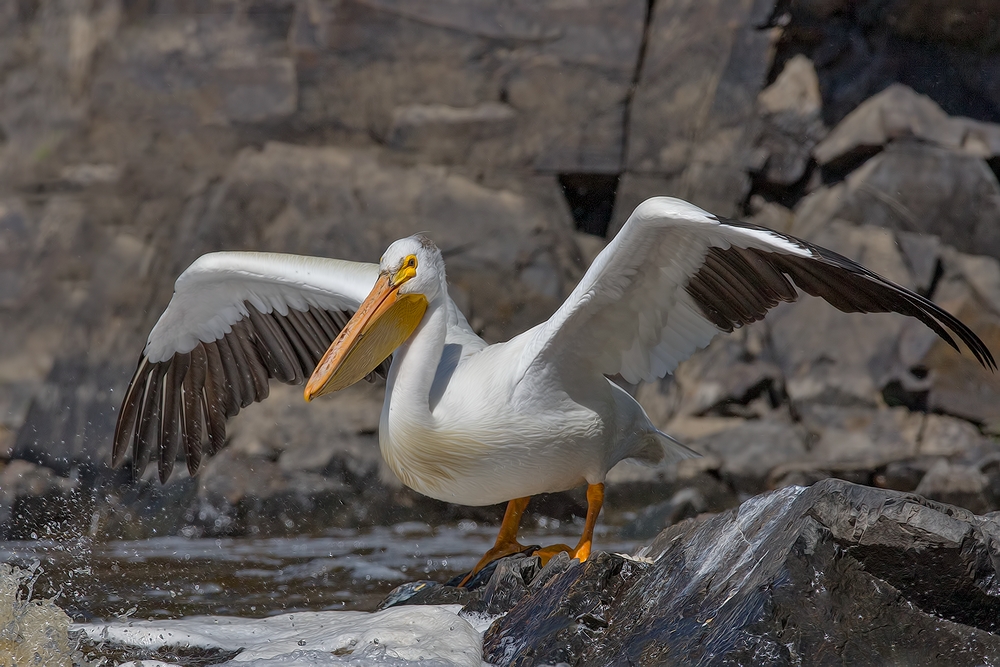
(417, 262)
(411, 275)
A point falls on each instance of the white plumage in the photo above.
(464, 421)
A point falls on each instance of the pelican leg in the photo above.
(595, 500)
(506, 543)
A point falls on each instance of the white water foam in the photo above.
(417, 636)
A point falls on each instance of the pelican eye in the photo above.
(406, 271)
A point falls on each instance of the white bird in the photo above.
(463, 421)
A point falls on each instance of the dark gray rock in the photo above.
(686, 503)
(834, 573)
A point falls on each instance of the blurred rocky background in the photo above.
(136, 135)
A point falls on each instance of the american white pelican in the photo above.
(463, 421)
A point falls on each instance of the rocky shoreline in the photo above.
(833, 573)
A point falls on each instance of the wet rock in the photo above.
(566, 615)
(797, 576)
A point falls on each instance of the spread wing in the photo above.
(235, 320)
(675, 276)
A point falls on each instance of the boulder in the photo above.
(792, 122)
(827, 356)
(958, 484)
(914, 187)
(752, 450)
(691, 116)
(836, 572)
(970, 289)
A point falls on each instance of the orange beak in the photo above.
(382, 323)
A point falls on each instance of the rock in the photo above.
(792, 122)
(217, 70)
(771, 215)
(866, 437)
(635, 188)
(728, 379)
(815, 210)
(915, 187)
(922, 253)
(692, 112)
(686, 503)
(858, 52)
(946, 436)
(750, 451)
(515, 263)
(833, 572)
(903, 475)
(895, 113)
(827, 356)
(565, 70)
(445, 134)
(569, 613)
(957, 385)
(968, 23)
(957, 484)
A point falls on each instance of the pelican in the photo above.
(463, 421)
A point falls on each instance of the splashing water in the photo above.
(32, 632)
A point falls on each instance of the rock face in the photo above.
(836, 573)
(135, 136)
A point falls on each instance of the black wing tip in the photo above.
(931, 314)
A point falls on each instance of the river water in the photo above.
(174, 577)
